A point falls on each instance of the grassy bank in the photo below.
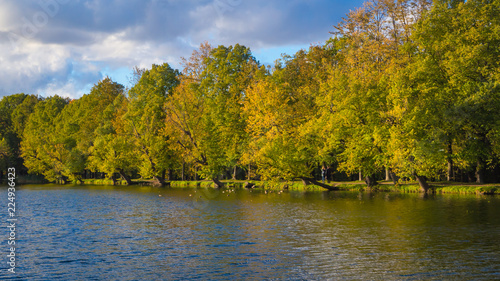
(353, 186)
(438, 187)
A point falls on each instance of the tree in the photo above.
(59, 133)
(21, 113)
(41, 150)
(114, 149)
(5, 154)
(66, 148)
(146, 121)
(78, 122)
(416, 142)
(368, 46)
(446, 100)
(205, 112)
(469, 56)
(14, 111)
(279, 108)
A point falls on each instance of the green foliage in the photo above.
(14, 111)
(403, 84)
(446, 101)
(59, 134)
(279, 108)
(368, 45)
(146, 120)
(228, 71)
(5, 154)
(42, 148)
(204, 114)
(114, 149)
(77, 123)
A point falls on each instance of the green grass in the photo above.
(483, 189)
(102, 182)
(437, 187)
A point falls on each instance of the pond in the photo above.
(146, 233)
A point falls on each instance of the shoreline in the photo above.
(383, 186)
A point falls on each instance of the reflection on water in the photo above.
(134, 234)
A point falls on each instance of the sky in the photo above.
(64, 47)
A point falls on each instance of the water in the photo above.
(123, 233)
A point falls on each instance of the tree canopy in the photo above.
(406, 86)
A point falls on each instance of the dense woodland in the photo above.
(411, 87)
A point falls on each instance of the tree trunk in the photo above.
(183, 168)
(79, 180)
(125, 177)
(62, 180)
(450, 176)
(394, 177)
(160, 180)
(422, 181)
(248, 185)
(305, 181)
(308, 181)
(113, 178)
(249, 167)
(170, 174)
(234, 173)
(360, 176)
(387, 174)
(217, 182)
(480, 172)
(370, 181)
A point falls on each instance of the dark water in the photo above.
(106, 233)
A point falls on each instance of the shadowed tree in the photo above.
(14, 112)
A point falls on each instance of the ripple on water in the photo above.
(133, 234)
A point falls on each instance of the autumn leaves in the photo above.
(404, 85)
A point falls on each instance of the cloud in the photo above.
(62, 46)
(40, 68)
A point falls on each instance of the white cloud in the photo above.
(63, 47)
(69, 89)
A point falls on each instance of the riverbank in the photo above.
(384, 186)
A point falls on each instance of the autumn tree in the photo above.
(146, 121)
(279, 108)
(205, 112)
(445, 102)
(368, 44)
(114, 149)
(60, 132)
(465, 51)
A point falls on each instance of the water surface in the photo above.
(144, 233)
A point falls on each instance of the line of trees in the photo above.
(407, 86)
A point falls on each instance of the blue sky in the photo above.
(64, 47)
